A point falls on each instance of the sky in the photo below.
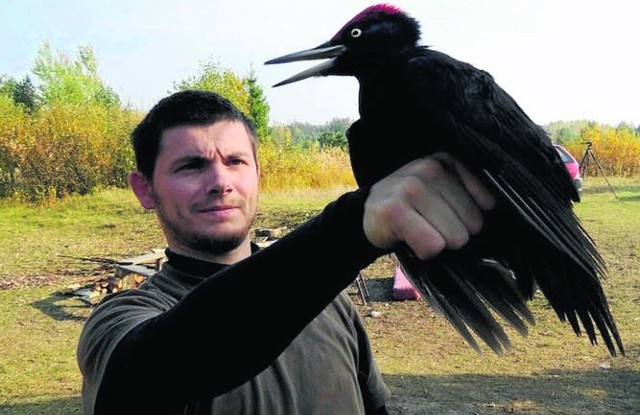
(559, 59)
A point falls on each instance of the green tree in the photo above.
(21, 93)
(333, 139)
(259, 111)
(566, 135)
(338, 124)
(626, 128)
(25, 94)
(213, 77)
(7, 85)
(69, 81)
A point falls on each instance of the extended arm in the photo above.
(237, 322)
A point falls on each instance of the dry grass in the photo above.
(428, 367)
(431, 370)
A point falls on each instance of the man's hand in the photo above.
(430, 204)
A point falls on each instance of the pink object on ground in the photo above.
(402, 287)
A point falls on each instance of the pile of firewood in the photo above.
(113, 284)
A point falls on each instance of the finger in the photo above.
(453, 217)
(447, 204)
(422, 238)
(480, 193)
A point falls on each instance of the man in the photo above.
(224, 328)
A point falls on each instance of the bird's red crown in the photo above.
(376, 8)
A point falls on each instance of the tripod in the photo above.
(584, 164)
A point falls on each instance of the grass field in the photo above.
(428, 367)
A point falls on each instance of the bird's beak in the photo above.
(320, 52)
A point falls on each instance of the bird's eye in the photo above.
(355, 32)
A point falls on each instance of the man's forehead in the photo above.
(229, 139)
(222, 132)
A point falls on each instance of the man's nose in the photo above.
(218, 179)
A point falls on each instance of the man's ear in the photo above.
(143, 189)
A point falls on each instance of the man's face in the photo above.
(204, 189)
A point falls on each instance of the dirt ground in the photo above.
(561, 385)
(429, 373)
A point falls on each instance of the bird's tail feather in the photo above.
(467, 303)
(578, 300)
(570, 270)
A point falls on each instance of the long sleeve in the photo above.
(235, 323)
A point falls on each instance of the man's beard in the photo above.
(213, 245)
(209, 244)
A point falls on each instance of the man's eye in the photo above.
(193, 165)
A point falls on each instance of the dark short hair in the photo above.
(191, 108)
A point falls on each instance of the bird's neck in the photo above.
(380, 96)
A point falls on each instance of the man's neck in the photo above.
(230, 257)
(195, 266)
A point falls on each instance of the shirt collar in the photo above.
(197, 267)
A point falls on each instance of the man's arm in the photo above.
(209, 343)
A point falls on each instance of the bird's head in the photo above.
(372, 37)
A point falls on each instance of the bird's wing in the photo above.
(492, 135)
(468, 103)
(488, 131)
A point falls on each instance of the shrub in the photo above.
(289, 166)
(617, 150)
(64, 149)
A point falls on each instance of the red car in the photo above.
(572, 166)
